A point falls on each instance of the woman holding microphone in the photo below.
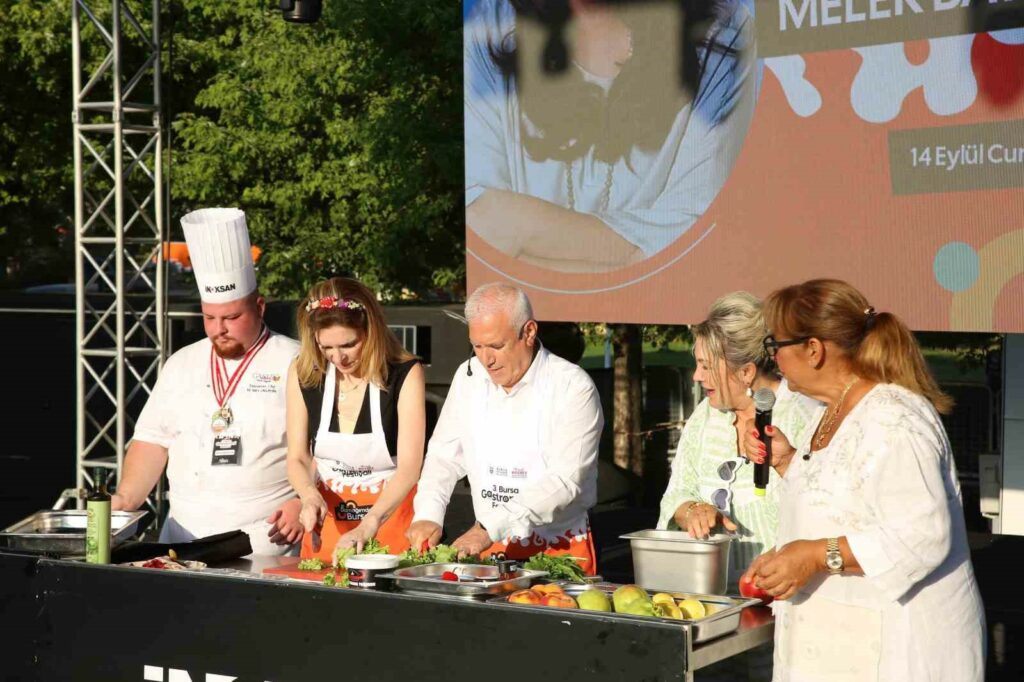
(712, 485)
(871, 570)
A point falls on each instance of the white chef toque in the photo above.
(218, 246)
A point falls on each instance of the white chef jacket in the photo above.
(207, 499)
(887, 482)
(571, 422)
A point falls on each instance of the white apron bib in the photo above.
(353, 460)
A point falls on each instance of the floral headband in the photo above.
(328, 302)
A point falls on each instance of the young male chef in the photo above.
(524, 426)
(216, 418)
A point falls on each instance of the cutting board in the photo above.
(289, 567)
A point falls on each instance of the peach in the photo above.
(559, 601)
(547, 589)
(524, 597)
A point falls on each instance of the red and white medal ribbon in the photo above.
(225, 384)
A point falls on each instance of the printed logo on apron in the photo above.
(350, 510)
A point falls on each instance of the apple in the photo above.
(524, 597)
(750, 590)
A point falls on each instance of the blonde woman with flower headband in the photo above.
(356, 422)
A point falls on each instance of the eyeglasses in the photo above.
(722, 497)
(772, 345)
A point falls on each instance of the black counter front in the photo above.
(66, 620)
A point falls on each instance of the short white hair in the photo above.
(498, 297)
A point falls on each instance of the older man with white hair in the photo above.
(524, 426)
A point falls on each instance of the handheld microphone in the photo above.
(764, 401)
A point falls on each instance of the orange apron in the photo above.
(508, 458)
(352, 470)
(581, 547)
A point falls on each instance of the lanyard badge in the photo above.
(224, 385)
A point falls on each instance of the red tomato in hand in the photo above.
(752, 591)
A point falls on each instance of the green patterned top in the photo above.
(708, 439)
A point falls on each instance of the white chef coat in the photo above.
(207, 499)
(887, 482)
(569, 431)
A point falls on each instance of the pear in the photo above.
(692, 609)
(663, 597)
(667, 609)
(638, 607)
(594, 600)
(626, 594)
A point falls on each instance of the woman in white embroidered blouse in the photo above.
(871, 572)
(702, 492)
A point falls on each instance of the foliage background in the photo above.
(341, 140)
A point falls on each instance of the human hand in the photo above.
(118, 503)
(423, 532)
(755, 451)
(788, 568)
(285, 528)
(473, 541)
(699, 518)
(360, 535)
(750, 575)
(314, 511)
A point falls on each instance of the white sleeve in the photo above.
(909, 500)
(444, 464)
(157, 424)
(486, 96)
(571, 462)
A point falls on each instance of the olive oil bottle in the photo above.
(97, 530)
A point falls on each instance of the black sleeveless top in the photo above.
(313, 397)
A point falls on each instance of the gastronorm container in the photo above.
(670, 560)
(476, 581)
(724, 620)
(63, 531)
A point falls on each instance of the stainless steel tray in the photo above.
(63, 531)
(479, 581)
(723, 622)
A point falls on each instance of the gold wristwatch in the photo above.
(833, 557)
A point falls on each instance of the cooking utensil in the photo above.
(475, 581)
(63, 530)
(671, 560)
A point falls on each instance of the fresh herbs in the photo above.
(340, 577)
(557, 567)
(442, 554)
(371, 547)
(313, 564)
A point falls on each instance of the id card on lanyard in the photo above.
(227, 439)
(227, 448)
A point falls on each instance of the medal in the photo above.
(221, 419)
(224, 385)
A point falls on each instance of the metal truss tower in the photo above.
(120, 274)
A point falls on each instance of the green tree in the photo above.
(342, 140)
(36, 169)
